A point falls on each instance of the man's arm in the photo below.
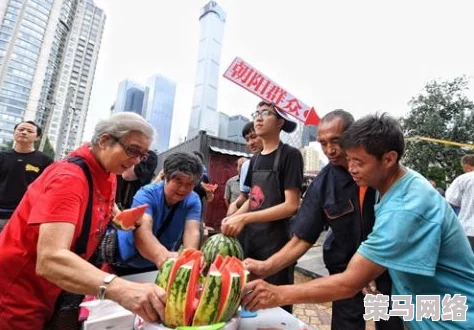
(227, 193)
(237, 204)
(147, 244)
(289, 254)
(192, 235)
(358, 273)
(233, 225)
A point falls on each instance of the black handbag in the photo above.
(66, 309)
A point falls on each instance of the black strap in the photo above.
(81, 244)
(167, 220)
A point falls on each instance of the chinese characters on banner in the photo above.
(257, 83)
(427, 306)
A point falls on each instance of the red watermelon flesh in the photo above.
(225, 289)
(191, 301)
(218, 261)
(182, 260)
(127, 219)
(235, 266)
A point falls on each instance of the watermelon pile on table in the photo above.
(189, 304)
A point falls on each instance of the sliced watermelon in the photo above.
(127, 219)
(218, 261)
(183, 259)
(209, 186)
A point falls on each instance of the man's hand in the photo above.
(209, 196)
(165, 256)
(257, 268)
(145, 299)
(232, 226)
(371, 288)
(259, 294)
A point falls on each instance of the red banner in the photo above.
(246, 76)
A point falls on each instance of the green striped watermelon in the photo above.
(164, 273)
(223, 245)
(181, 294)
(206, 312)
(220, 296)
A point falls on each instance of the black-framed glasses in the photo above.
(262, 114)
(132, 152)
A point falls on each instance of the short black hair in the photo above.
(183, 163)
(247, 129)
(39, 131)
(377, 134)
(346, 117)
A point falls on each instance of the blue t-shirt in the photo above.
(419, 239)
(153, 195)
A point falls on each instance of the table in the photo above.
(276, 318)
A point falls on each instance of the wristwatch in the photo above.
(103, 288)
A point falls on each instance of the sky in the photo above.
(362, 56)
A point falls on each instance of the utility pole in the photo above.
(48, 124)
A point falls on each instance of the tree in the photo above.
(48, 148)
(440, 111)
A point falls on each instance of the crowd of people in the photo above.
(390, 230)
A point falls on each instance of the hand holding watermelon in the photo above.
(127, 219)
(211, 187)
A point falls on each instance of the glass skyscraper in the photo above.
(157, 109)
(130, 95)
(204, 115)
(38, 47)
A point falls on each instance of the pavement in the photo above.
(308, 267)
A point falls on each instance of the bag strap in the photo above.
(81, 244)
(167, 220)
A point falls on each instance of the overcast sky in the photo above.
(362, 56)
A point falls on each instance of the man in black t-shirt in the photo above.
(275, 176)
(130, 181)
(19, 167)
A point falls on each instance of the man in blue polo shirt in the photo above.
(416, 236)
(173, 215)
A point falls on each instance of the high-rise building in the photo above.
(130, 96)
(76, 78)
(223, 125)
(301, 137)
(310, 134)
(234, 131)
(48, 52)
(310, 159)
(204, 115)
(33, 38)
(158, 109)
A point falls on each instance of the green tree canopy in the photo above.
(48, 148)
(440, 111)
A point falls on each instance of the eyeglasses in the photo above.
(132, 152)
(262, 114)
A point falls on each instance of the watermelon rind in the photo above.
(206, 312)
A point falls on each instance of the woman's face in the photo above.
(119, 154)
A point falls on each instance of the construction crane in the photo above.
(446, 142)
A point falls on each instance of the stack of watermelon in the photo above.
(219, 298)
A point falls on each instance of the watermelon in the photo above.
(209, 186)
(223, 245)
(164, 273)
(206, 312)
(219, 298)
(181, 295)
(127, 219)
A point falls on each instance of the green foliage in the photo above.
(48, 148)
(441, 111)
